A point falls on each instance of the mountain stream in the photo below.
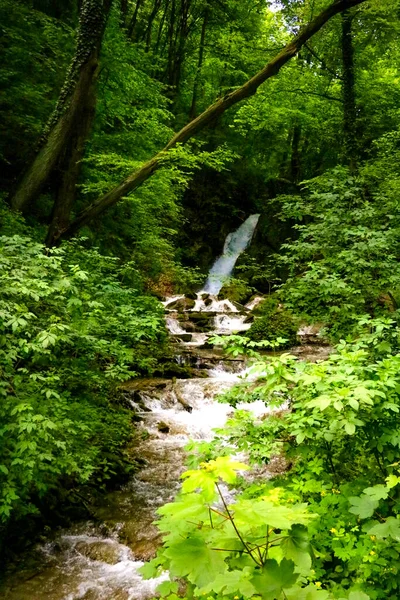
(100, 559)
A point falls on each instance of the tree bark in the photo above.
(349, 96)
(133, 21)
(196, 85)
(70, 164)
(77, 86)
(135, 179)
(295, 156)
(161, 27)
(149, 29)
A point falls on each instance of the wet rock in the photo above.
(311, 334)
(119, 595)
(208, 301)
(90, 595)
(146, 549)
(182, 400)
(101, 551)
(205, 366)
(146, 384)
(249, 319)
(182, 304)
(254, 302)
(238, 306)
(163, 427)
(191, 295)
(183, 337)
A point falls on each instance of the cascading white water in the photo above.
(235, 243)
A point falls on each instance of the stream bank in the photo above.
(99, 559)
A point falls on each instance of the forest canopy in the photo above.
(134, 136)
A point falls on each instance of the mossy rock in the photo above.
(273, 321)
(236, 291)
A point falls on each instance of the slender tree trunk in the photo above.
(147, 33)
(171, 42)
(197, 79)
(132, 24)
(59, 130)
(124, 11)
(295, 157)
(135, 179)
(161, 27)
(349, 96)
(180, 45)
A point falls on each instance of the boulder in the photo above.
(249, 319)
(191, 295)
(183, 337)
(101, 551)
(163, 427)
(182, 304)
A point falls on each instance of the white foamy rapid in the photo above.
(173, 325)
(235, 243)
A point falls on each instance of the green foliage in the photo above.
(30, 80)
(73, 324)
(246, 548)
(336, 424)
(344, 262)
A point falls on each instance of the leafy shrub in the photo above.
(341, 441)
(70, 331)
(345, 260)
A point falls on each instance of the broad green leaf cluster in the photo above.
(335, 427)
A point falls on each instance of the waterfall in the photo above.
(235, 243)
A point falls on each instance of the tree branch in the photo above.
(135, 179)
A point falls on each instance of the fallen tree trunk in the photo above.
(135, 179)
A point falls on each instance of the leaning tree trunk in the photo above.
(135, 179)
(75, 97)
(69, 165)
(349, 96)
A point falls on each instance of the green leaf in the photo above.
(231, 582)
(310, 592)
(364, 506)
(184, 514)
(274, 578)
(390, 528)
(322, 402)
(249, 514)
(358, 595)
(167, 587)
(193, 559)
(226, 468)
(377, 492)
(296, 547)
(392, 481)
(200, 479)
(350, 428)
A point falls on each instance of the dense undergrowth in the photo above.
(328, 526)
(73, 325)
